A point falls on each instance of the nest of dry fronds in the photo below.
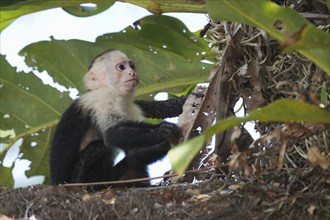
(295, 156)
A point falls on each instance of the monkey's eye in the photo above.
(121, 67)
(132, 65)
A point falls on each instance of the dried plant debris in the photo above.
(262, 74)
(316, 157)
(279, 197)
(293, 154)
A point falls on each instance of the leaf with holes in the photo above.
(297, 34)
(27, 107)
(167, 55)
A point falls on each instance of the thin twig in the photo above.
(136, 180)
(314, 15)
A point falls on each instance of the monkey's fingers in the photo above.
(173, 134)
(177, 134)
(173, 128)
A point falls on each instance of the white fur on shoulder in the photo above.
(108, 108)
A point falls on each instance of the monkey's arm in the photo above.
(66, 143)
(162, 109)
(129, 135)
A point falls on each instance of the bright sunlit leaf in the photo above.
(182, 155)
(30, 110)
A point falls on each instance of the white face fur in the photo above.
(112, 70)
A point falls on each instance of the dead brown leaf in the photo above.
(108, 197)
(311, 209)
(237, 186)
(194, 191)
(3, 217)
(239, 159)
(202, 197)
(292, 37)
(249, 79)
(315, 157)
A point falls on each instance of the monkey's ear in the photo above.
(92, 80)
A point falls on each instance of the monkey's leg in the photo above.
(126, 171)
(95, 164)
(134, 165)
(148, 154)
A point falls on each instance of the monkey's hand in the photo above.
(170, 132)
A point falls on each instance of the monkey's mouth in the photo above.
(132, 80)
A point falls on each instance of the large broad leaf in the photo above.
(280, 111)
(10, 10)
(28, 108)
(166, 53)
(298, 34)
(27, 105)
(85, 10)
(6, 179)
(36, 148)
(6, 176)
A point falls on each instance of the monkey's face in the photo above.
(123, 75)
(113, 70)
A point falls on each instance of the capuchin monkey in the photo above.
(102, 119)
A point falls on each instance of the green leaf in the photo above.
(285, 110)
(27, 109)
(165, 60)
(27, 105)
(298, 33)
(10, 10)
(189, 149)
(160, 33)
(6, 179)
(6, 176)
(324, 95)
(36, 148)
(85, 11)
